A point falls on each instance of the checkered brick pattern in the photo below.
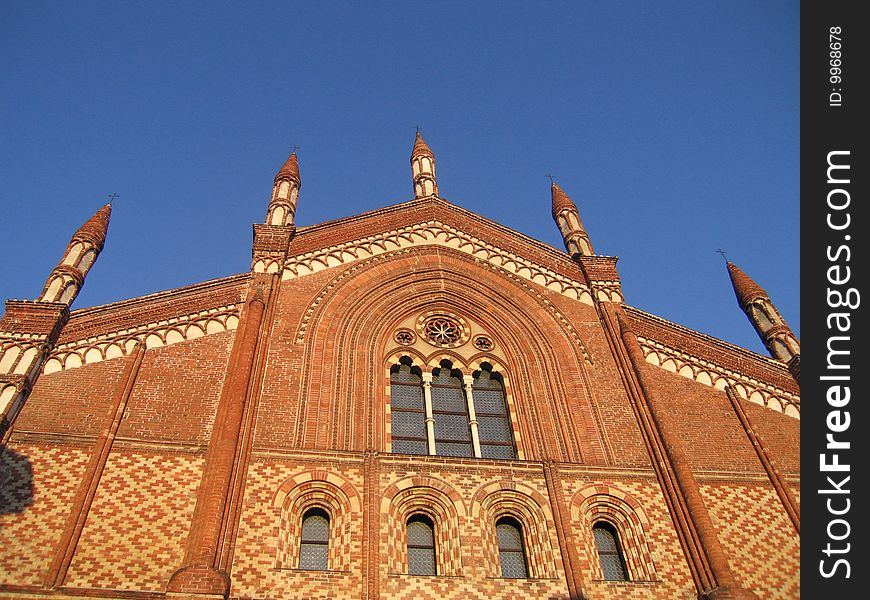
(759, 540)
(508, 498)
(37, 486)
(436, 500)
(316, 489)
(135, 533)
(652, 549)
(277, 492)
(610, 504)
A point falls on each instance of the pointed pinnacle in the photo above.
(561, 201)
(745, 288)
(290, 169)
(420, 147)
(97, 226)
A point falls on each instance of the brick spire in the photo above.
(745, 289)
(95, 228)
(423, 169)
(285, 193)
(567, 218)
(765, 318)
(67, 278)
(290, 170)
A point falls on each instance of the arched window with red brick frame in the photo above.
(609, 551)
(314, 541)
(421, 546)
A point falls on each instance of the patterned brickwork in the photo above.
(637, 509)
(316, 428)
(762, 546)
(133, 538)
(277, 493)
(37, 485)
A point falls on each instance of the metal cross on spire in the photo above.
(293, 149)
(550, 177)
(722, 252)
(112, 197)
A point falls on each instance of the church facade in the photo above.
(414, 402)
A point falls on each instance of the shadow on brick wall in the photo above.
(16, 482)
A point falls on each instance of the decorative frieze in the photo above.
(716, 376)
(153, 335)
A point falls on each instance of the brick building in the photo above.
(414, 402)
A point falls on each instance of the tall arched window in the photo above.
(449, 408)
(421, 546)
(408, 415)
(609, 552)
(511, 549)
(314, 541)
(493, 421)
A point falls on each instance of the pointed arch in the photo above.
(357, 311)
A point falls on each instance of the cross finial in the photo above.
(550, 177)
(722, 252)
(293, 149)
(112, 197)
(417, 127)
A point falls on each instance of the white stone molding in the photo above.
(153, 335)
(719, 377)
(437, 234)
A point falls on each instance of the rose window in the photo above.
(442, 331)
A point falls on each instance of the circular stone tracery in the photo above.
(443, 330)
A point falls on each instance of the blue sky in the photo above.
(674, 126)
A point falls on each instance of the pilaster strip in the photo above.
(243, 454)
(199, 574)
(696, 560)
(783, 489)
(727, 585)
(568, 550)
(87, 490)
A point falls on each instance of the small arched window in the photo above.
(408, 416)
(314, 544)
(511, 549)
(421, 546)
(609, 552)
(493, 422)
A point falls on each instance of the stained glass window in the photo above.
(449, 408)
(408, 414)
(493, 421)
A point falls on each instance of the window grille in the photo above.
(609, 552)
(493, 421)
(449, 408)
(511, 549)
(314, 544)
(421, 546)
(407, 411)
